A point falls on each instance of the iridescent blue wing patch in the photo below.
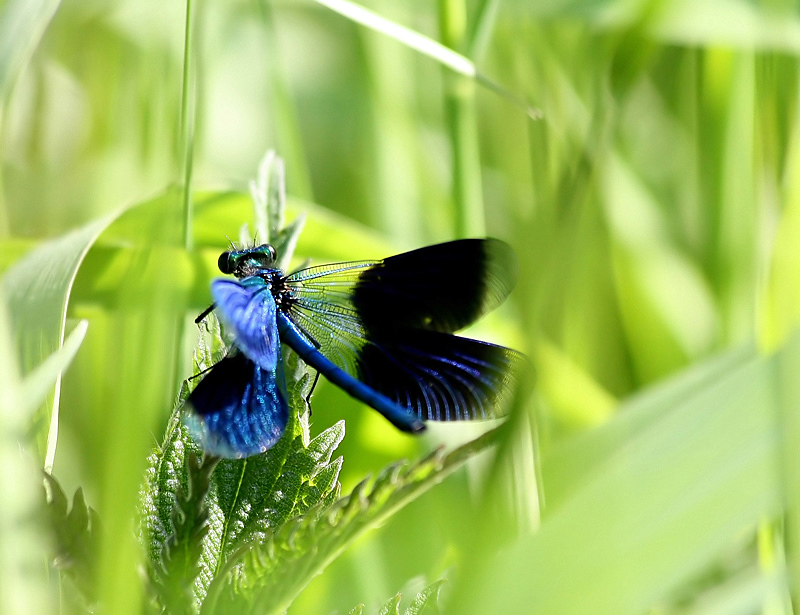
(247, 311)
(238, 409)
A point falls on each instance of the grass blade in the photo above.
(38, 288)
(426, 46)
(657, 511)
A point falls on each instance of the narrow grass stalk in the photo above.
(441, 53)
(188, 109)
(481, 31)
(187, 124)
(460, 110)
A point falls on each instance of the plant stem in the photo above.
(460, 110)
(187, 126)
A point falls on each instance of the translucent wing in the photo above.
(247, 310)
(440, 288)
(238, 409)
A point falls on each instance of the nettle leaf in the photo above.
(180, 553)
(425, 601)
(196, 522)
(175, 516)
(76, 537)
(392, 606)
(257, 495)
(268, 576)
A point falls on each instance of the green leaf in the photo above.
(256, 496)
(76, 537)
(426, 600)
(569, 465)
(269, 575)
(167, 497)
(391, 606)
(38, 289)
(268, 192)
(38, 384)
(180, 554)
(667, 486)
(22, 24)
(23, 584)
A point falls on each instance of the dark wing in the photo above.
(440, 288)
(399, 344)
(247, 310)
(442, 377)
(238, 409)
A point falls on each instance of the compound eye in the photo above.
(224, 263)
(265, 255)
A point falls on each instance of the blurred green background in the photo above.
(654, 208)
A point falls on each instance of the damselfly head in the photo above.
(247, 262)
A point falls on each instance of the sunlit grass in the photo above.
(653, 209)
